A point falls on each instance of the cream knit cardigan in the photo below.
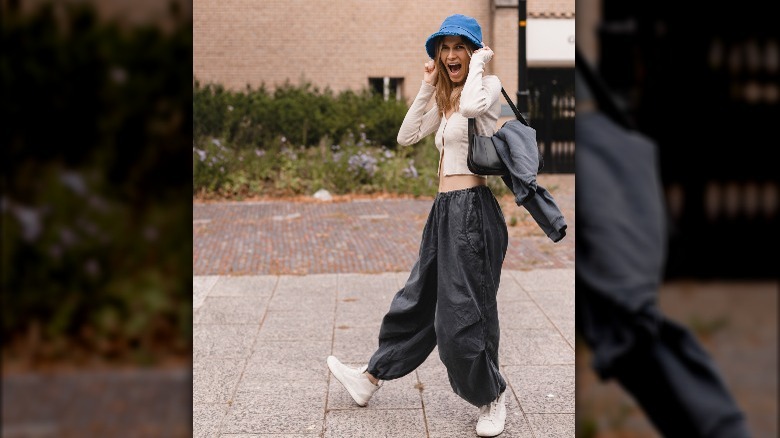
(479, 99)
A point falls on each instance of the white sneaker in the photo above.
(492, 417)
(354, 379)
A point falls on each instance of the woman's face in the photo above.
(454, 54)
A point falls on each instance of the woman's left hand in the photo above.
(486, 52)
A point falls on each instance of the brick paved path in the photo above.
(365, 236)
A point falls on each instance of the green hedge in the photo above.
(303, 114)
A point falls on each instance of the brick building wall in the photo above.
(341, 44)
(504, 36)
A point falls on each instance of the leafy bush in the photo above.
(354, 165)
(303, 115)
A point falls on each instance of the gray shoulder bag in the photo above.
(482, 157)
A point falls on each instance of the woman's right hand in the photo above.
(429, 74)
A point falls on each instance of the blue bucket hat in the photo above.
(457, 25)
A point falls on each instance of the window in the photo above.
(387, 87)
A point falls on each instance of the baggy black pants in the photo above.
(449, 299)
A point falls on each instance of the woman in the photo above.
(449, 300)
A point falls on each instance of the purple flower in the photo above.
(362, 161)
(289, 153)
(411, 171)
(201, 153)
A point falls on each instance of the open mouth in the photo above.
(454, 68)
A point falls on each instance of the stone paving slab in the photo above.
(263, 373)
(376, 423)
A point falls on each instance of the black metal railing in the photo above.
(551, 113)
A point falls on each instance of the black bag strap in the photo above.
(514, 108)
(598, 89)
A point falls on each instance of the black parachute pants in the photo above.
(449, 300)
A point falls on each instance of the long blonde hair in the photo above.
(447, 92)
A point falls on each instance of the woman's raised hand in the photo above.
(486, 53)
(429, 73)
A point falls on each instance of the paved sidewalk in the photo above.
(260, 344)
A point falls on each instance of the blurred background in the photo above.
(702, 83)
(95, 210)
